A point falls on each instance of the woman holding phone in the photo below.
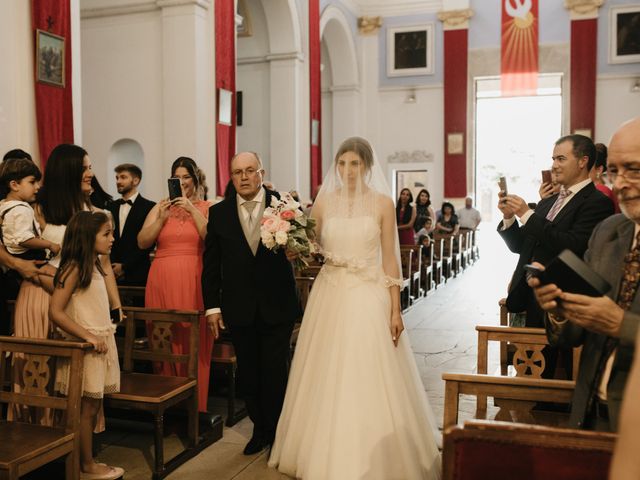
(178, 227)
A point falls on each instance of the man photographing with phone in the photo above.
(606, 326)
(562, 221)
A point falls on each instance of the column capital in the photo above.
(583, 9)
(455, 19)
(369, 25)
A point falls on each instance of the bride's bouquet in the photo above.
(284, 225)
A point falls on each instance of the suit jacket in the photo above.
(135, 261)
(240, 284)
(610, 242)
(541, 240)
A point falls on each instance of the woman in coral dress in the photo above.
(179, 227)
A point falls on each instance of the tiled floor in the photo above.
(443, 338)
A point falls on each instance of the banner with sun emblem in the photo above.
(519, 62)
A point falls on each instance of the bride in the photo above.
(355, 407)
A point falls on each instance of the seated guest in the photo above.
(426, 230)
(405, 217)
(447, 220)
(130, 263)
(424, 212)
(606, 326)
(469, 218)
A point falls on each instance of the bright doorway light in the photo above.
(514, 139)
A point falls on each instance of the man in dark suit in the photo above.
(561, 221)
(130, 263)
(605, 326)
(254, 290)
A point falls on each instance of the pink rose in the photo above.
(287, 215)
(270, 224)
(283, 226)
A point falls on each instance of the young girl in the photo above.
(80, 308)
(19, 183)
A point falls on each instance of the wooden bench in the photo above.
(506, 451)
(437, 247)
(456, 254)
(427, 277)
(156, 393)
(131, 296)
(443, 251)
(515, 396)
(466, 248)
(415, 271)
(405, 291)
(25, 447)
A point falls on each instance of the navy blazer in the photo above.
(242, 285)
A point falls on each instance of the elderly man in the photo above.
(468, 217)
(605, 326)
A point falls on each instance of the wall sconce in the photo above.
(635, 88)
(411, 97)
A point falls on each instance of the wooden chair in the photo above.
(156, 393)
(415, 271)
(224, 354)
(25, 447)
(405, 290)
(515, 396)
(504, 451)
(131, 296)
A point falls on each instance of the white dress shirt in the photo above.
(125, 208)
(245, 217)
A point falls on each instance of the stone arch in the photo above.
(125, 150)
(338, 38)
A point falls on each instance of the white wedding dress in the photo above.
(355, 407)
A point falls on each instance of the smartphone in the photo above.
(502, 183)
(546, 176)
(175, 191)
(532, 270)
(115, 315)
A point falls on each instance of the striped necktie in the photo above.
(562, 196)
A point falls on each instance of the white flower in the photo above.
(281, 238)
(267, 239)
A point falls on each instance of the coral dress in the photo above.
(174, 283)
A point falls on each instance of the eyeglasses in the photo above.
(249, 172)
(630, 175)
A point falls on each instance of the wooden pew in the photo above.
(516, 396)
(444, 248)
(506, 451)
(475, 250)
(131, 296)
(415, 271)
(427, 277)
(466, 249)
(456, 254)
(437, 247)
(156, 393)
(406, 257)
(25, 447)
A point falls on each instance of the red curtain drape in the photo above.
(584, 39)
(226, 79)
(455, 111)
(315, 102)
(54, 108)
(519, 48)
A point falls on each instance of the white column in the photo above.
(346, 121)
(188, 93)
(289, 127)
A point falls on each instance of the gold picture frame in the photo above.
(455, 143)
(245, 28)
(50, 64)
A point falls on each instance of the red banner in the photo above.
(51, 22)
(315, 102)
(519, 62)
(225, 79)
(584, 35)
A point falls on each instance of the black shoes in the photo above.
(256, 445)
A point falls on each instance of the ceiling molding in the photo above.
(392, 9)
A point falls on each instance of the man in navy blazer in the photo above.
(561, 221)
(254, 290)
(130, 263)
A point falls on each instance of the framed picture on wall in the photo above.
(455, 143)
(414, 180)
(49, 58)
(410, 50)
(624, 34)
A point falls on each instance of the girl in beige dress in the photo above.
(80, 308)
